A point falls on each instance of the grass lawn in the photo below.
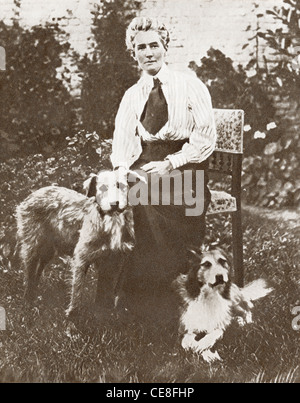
(40, 346)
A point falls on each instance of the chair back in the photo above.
(230, 128)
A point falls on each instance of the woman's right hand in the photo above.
(158, 167)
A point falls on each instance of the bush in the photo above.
(272, 179)
(271, 143)
(284, 43)
(111, 70)
(231, 88)
(36, 108)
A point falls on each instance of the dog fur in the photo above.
(211, 301)
(92, 229)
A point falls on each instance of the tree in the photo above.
(285, 43)
(231, 88)
(110, 70)
(36, 108)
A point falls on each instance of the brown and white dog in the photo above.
(211, 301)
(96, 228)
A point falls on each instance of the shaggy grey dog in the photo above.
(210, 302)
(96, 228)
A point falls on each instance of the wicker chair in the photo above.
(227, 159)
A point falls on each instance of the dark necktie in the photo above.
(155, 114)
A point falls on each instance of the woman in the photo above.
(164, 123)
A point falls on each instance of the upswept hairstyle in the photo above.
(146, 24)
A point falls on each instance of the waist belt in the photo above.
(160, 149)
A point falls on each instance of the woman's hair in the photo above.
(146, 24)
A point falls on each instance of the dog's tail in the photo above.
(255, 290)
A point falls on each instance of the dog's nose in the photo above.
(219, 279)
(115, 205)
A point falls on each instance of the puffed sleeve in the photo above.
(202, 138)
(126, 145)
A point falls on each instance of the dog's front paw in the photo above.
(241, 321)
(209, 356)
(72, 332)
(248, 318)
(188, 342)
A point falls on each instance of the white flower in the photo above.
(271, 149)
(251, 73)
(247, 128)
(259, 135)
(271, 126)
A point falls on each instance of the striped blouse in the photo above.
(190, 116)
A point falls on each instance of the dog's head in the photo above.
(211, 271)
(110, 189)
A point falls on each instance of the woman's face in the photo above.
(149, 51)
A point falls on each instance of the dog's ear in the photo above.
(193, 286)
(137, 175)
(195, 255)
(225, 252)
(227, 255)
(89, 186)
(179, 286)
(195, 260)
(229, 261)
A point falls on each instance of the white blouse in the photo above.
(190, 116)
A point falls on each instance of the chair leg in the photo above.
(237, 247)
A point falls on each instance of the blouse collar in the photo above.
(162, 75)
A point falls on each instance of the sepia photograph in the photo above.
(150, 194)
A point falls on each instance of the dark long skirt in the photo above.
(164, 233)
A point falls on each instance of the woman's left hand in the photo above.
(158, 167)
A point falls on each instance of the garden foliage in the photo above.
(39, 115)
(231, 88)
(36, 108)
(41, 145)
(111, 70)
(262, 90)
